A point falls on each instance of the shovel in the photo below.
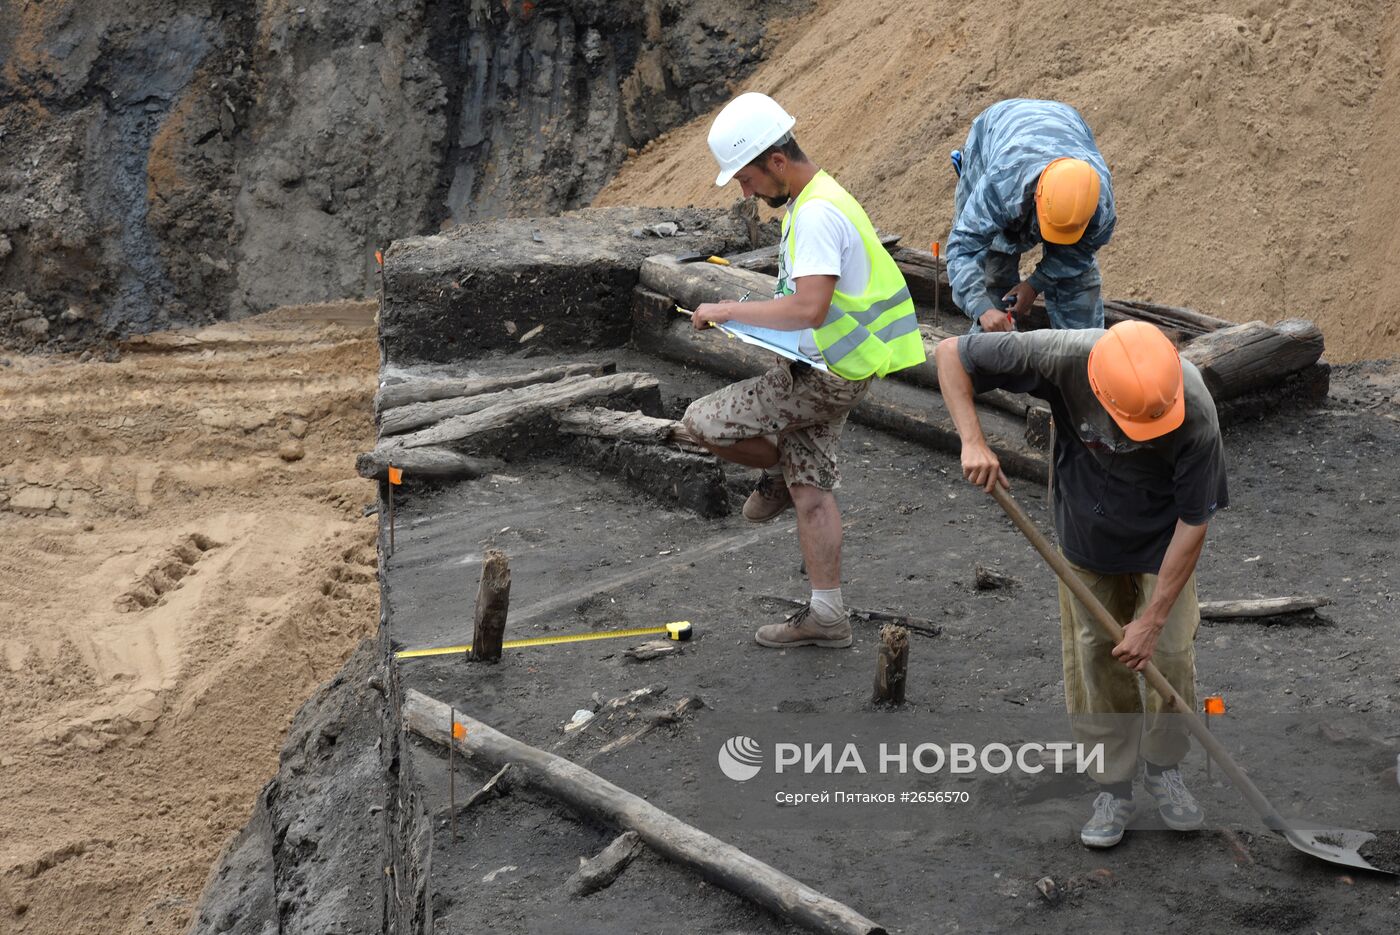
(1334, 845)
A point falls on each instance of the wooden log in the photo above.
(1306, 386)
(436, 463)
(692, 284)
(765, 259)
(531, 401)
(1183, 317)
(595, 798)
(914, 413)
(393, 395)
(1253, 355)
(411, 416)
(927, 276)
(1262, 607)
(891, 665)
(492, 604)
(628, 426)
(717, 284)
(919, 415)
(600, 872)
(926, 375)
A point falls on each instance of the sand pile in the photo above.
(183, 558)
(1250, 142)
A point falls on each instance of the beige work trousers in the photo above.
(1105, 698)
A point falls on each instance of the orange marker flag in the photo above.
(395, 475)
(1215, 705)
(935, 249)
(459, 731)
(379, 257)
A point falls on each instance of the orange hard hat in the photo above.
(1135, 372)
(1066, 198)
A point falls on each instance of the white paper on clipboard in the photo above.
(787, 344)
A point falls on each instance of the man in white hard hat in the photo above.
(838, 287)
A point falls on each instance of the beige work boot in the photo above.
(805, 628)
(768, 500)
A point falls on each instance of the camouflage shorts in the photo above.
(803, 408)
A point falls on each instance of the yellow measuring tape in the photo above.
(679, 630)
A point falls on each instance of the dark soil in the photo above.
(1311, 511)
(1384, 852)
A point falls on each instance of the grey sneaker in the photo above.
(1109, 821)
(768, 500)
(1177, 806)
(804, 628)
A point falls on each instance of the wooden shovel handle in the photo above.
(1175, 703)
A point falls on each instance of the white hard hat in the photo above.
(746, 126)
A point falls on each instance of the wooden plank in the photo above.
(590, 795)
(1261, 607)
(530, 401)
(629, 426)
(433, 462)
(425, 390)
(411, 416)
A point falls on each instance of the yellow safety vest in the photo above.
(875, 332)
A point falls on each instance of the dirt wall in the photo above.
(166, 163)
(1248, 141)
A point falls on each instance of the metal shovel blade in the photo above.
(1335, 845)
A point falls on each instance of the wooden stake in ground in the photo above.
(492, 603)
(891, 663)
(593, 797)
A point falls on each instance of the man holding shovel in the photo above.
(1139, 472)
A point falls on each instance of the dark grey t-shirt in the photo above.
(1116, 500)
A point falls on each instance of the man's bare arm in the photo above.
(1140, 636)
(805, 308)
(980, 464)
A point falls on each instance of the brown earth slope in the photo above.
(1247, 139)
(171, 591)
